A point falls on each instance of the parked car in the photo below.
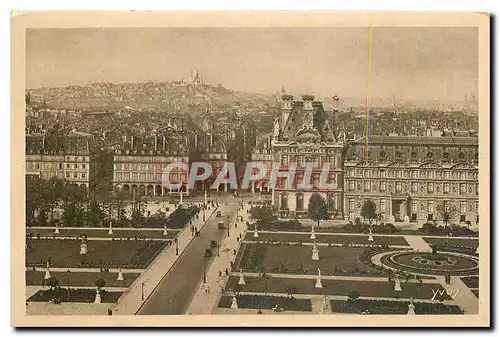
(220, 224)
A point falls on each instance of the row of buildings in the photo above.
(406, 177)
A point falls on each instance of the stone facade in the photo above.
(411, 178)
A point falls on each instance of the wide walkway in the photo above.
(418, 243)
(178, 286)
(143, 286)
(207, 296)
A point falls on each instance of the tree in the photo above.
(94, 215)
(318, 208)
(369, 210)
(100, 283)
(446, 212)
(263, 214)
(74, 198)
(353, 295)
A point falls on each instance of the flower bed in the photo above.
(377, 307)
(267, 302)
(74, 295)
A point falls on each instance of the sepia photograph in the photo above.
(256, 169)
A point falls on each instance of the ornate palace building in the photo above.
(304, 135)
(411, 178)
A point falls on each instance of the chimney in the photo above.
(308, 99)
(286, 108)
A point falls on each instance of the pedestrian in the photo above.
(227, 272)
(237, 239)
(208, 290)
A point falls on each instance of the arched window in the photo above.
(300, 201)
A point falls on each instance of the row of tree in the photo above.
(318, 210)
(79, 206)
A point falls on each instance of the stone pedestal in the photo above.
(313, 235)
(477, 250)
(120, 275)
(318, 283)
(397, 284)
(97, 297)
(406, 219)
(411, 308)
(255, 233)
(83, 249)
(110, 231)
(234, 303)
(392, 219)
(370, 237)
(56, 231)
(165, 231)
(315, 253)
(181, 197)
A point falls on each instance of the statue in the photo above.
(276, 130)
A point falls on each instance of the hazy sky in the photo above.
(411, 63)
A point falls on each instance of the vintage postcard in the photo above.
(250, 169)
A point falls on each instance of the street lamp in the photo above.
(228, 226)
(204, 206)
(218, 248)
(176, 246)
(142, 291)
(204, 271)
(68, 272)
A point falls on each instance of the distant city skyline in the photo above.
(409, 63)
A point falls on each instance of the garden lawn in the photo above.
(454, 241)
(338, 239)
(103, 233)
(339, 287)
(294, 259)
(66, 253)
(77, 279)
(391, 307)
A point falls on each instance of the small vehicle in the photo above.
(220, 224)
(213, 244)
(208, 252)
(278, 309)
(218, 214)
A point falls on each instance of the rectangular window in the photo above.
(84, 176)
(414, 174)
(430, 187)
(382, 186)
(60, 166)
(68, 166)
(67, 175)
(284, 160)
(463, 188)
(463, 207)
(446, 188)
(446, 174)
(382, 205)
(367, 186)
(414, 187)
(399, 187)
(134, 176)
(75, 166)
(414, 206)
(75, 175)
(430, 206)
(351, 205)
(351, 173)
(382, 173)
(398, 174)
(126, 176)
(300, 160)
